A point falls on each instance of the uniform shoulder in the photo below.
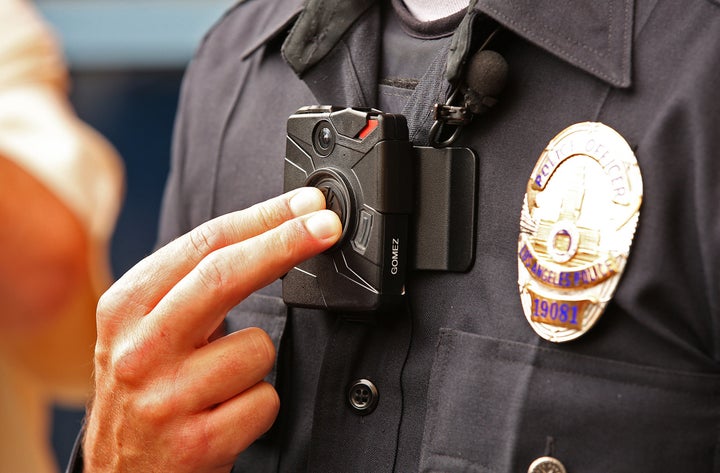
(249, 21)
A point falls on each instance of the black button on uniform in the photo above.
(363, 396)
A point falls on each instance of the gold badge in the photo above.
(578, 220)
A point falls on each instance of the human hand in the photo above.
(167, 398)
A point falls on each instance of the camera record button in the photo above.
(337, 197)
(334, 200)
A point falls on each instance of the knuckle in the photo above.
(269, 214)
(250, 356)
(266, 406)
(117, 305)
(287, 241)
(211, 273)
(271, 399)
(102, 358)
(106, 303)
(111, 302)
(154, 408)
(205, 238)
(129, 360)
(194, 443)
(263, 350)
(124, 365)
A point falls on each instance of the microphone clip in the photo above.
(451, 115)
(474, 86)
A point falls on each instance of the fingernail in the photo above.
(305, 201)
(323, 225)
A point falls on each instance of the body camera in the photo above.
(361, 160)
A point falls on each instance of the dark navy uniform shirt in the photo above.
(463, 382)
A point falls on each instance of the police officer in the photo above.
(585, 336)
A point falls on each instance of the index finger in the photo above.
(138, 291)
(198, 303)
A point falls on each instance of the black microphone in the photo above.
(485, 79)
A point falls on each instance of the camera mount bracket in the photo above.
(445, 212)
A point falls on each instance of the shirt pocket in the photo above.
(266, 312)
(493, 405)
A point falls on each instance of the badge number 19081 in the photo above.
(577, 224)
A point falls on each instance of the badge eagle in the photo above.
(577, 225)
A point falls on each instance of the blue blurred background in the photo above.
(126, 60)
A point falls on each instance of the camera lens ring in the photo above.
(323, 138)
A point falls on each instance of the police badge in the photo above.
(577, 224)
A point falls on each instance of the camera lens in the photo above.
(323, 138)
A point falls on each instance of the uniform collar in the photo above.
(315, 28)
(595, 36)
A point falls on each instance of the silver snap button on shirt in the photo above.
(546, 465)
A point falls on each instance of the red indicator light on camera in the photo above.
(369, 127)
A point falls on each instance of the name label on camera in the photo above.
(395, 256)
(395, 249)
